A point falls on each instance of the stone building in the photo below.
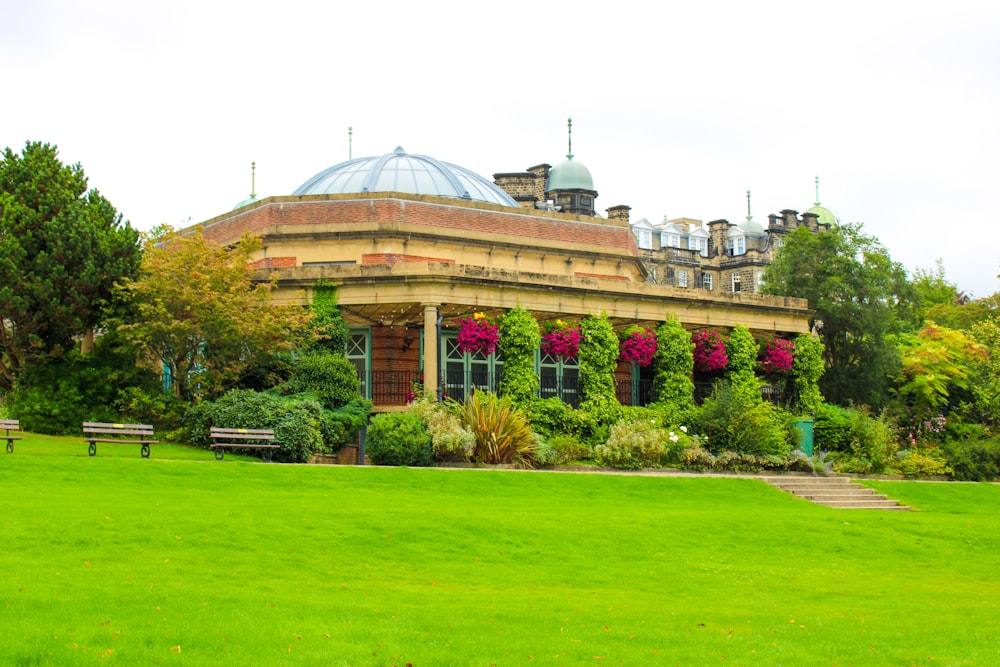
(414, 244)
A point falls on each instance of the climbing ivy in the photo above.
(598, 360)
(519, 338)
(807, 369)
(674, 364)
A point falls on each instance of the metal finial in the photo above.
(350, 142)
(569, 122)
(817, 191)
(749, 217)
(253, 180)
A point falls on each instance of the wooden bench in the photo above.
(9, 425)
(138, 434)
(243, 438)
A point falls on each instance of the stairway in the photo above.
(839, 492)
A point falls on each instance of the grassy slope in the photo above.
(120, 560)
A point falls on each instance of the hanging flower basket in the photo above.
(776, 357)
(709, 351)
(477, 334)
(638, 345)
(561, 339)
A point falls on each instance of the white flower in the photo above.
(684, 428)
(674, 438)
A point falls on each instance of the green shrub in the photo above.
(450, 439)
(737, 462)
(57, 397)
(735, 419)
(330, 377)
(633, 445)
(297, 422)
(552, 416)
(341, 426)
(399, 439)
(974, 460)
(928, 462)
(502, 431)
(857, 441)
(567, 449)
(696, 457)
(144, 406)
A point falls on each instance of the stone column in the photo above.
(431, 362)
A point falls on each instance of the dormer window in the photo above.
(737, 245)
(645, 238)
(671, 240)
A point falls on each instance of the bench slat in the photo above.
(217, 430)
(242, 445)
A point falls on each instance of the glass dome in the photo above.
(401, 172)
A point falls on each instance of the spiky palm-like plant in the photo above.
(502, 432)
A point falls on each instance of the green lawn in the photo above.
(119, 560)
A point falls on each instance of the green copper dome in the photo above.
(246, 202)
(825, 215)
(570, 175)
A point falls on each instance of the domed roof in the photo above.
(752, 227)
(401, 172)
(246, 202)
(825, 215)
(570, 175)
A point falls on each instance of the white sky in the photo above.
(678, 108)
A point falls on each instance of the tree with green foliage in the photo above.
(986, 371)
(62, 248)
(519, 339)
(674, 364)
(935, 363)
(197, 308)
(858, 294)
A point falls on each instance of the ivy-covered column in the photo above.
(431, 361)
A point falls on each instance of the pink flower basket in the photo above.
(709, 351)
(561, 340)
(638, 345)
(477, 334)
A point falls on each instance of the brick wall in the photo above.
(459, 216)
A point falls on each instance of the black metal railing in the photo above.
(389, 387)
(636, 392)
(566, 388)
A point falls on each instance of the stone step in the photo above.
(830, 489)
(863, 504)
(839, 492)
(843, 497)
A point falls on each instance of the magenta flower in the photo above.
(709, 351)
(638, 345)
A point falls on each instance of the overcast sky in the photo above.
(678, 108)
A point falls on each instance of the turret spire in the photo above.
(350, 142)
(817, 191)
(253, 180)
(569, 156)
(749, 217)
